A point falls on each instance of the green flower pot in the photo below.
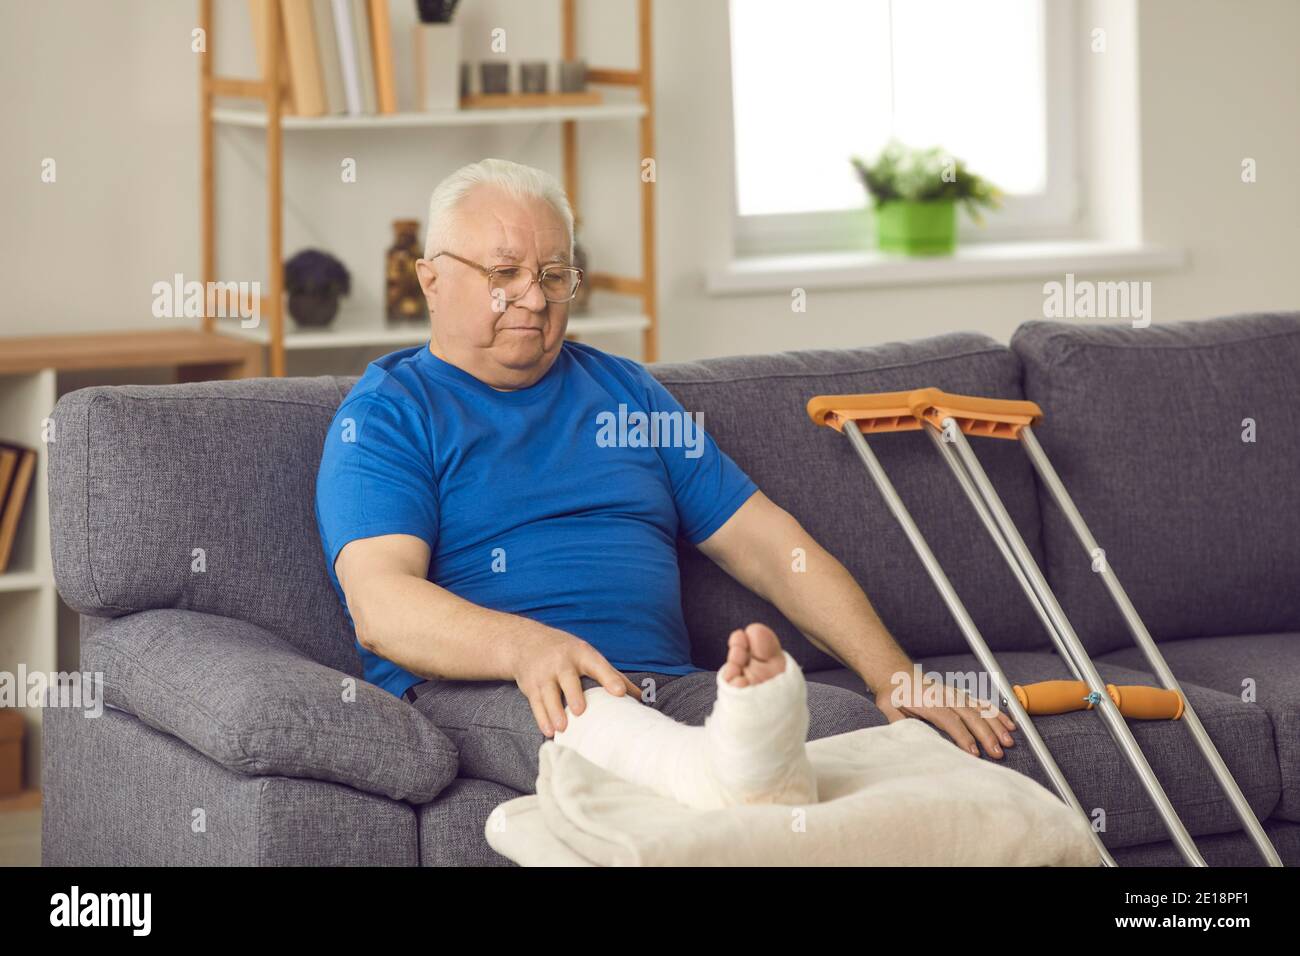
(917, 228)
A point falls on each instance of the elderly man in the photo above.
(513, 572)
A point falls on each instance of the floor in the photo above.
(20, 829)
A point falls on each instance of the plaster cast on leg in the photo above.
(750, 749)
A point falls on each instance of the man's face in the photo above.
(507, 345)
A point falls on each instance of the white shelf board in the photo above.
(256, 118)
(363, 327)
(21, 581)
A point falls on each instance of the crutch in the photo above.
(946, 419)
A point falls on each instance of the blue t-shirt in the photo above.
(560, 502)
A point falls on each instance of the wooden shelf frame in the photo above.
(267, 89)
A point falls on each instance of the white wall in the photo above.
(114, 101)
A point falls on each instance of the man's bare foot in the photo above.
(753, 656)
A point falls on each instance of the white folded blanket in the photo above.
(897, 795)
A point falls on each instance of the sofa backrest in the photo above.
(754, 407)
(1180, 445)
(142, 476)
(198, 496)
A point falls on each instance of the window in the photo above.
(821, 80)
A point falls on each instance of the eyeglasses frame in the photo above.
(534, 277)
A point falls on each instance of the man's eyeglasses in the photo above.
(511, 282)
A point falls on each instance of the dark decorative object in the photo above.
(494, 76)
(465, 84)
(573, 76)
(435, 11)
(314, 281)
(403, 297)
(532, 76)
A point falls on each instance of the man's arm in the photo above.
(756, 546)
(402, 616)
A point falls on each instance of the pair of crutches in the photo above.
(947, 419)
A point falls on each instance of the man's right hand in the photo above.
(549, 672)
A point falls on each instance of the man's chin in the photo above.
(522, 352)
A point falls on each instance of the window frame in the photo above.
(1057, 213)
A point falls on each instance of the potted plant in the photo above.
(314, 281)
(915, 193)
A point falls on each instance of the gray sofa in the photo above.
(239, 730)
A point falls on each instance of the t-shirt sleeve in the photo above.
(708, 486)
(376, 475)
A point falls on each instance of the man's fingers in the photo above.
(572, 687)
(947, 720)
(983, 731)
(612, 679)
(554, 706)
(539, 714)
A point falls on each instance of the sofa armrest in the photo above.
(248, 700)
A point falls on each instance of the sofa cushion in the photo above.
(198, 496)
(452, 828)
(1264, 668)
(247, 700)
(754, 407)
(1094, 767)
(1145, 427)
(118, 793)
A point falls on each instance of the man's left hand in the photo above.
(961, 716)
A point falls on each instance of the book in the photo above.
(304, 64)
(348, 56)
(381, 44)
(365, 60)
(8, 465)
(327, 50)
(257, 13)
(15, 500)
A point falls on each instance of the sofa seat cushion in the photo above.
(1265, 667)
(1097, 771)
(252, 703)
(453, 827)
(1149, 430)
(755, 409)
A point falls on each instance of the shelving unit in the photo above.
(366, 326)
(28, 599)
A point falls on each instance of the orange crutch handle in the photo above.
(1135, 701)
(1148, 703)
(1054, 696)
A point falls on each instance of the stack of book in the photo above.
(337, 56)
(17, 465)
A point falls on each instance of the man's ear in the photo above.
(427, 274)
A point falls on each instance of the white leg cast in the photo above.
(750, 749)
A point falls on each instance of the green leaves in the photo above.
(920, 175)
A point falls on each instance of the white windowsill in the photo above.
(976, 262)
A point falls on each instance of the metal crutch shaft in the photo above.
(970, 631)
(990, 525)
(1104, 706)
(1155, 660)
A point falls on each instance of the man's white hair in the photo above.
(521, 181)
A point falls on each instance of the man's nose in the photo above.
(533, 300)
